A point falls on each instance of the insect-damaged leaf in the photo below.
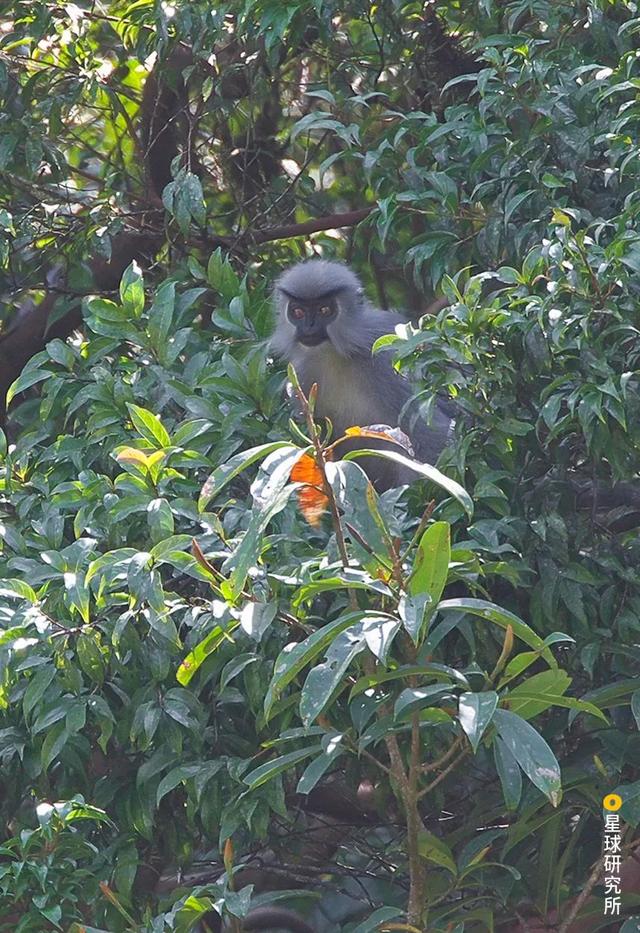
(531, 752)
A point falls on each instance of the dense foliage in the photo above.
(405, 710)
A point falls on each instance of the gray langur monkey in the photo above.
(269, 917)
(326, 328)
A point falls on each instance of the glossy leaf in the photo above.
(475, 712)
(531, 752)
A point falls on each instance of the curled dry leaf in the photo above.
(385, 430)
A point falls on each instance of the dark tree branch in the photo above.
(349, 219)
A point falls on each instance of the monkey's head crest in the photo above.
(315, 279)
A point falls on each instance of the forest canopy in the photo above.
(240, 689)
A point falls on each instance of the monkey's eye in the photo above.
(325, 310)
(297, 313)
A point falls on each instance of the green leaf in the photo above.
(320, 765)
(77, 595)
(543, 690)
(76, 717)
(176, 776)
(271, 492)
(431, 562)
(543, 686)
(149, 426)
(433, 849)
(325, 678)
(635, 707)
(552, 181)
(108, 310)
(25, 381)
(203, 649)
(36, 688)
(531, 752)
(514, 203)
(376, 920)
(630, 925)
(18, 589)
(414, 612)
(518, 665)
(424, 469)
(235, 666)
(163, 550)
(630, 810)
(160, 520)
(110, 563)
(272, 768)
(572, 703)
(416, 698)
(503, 618)
(127, 864)
(509, 773)
(475, 712)
(48, 717)
(439, 672)
(184, 199)
(232, 468)
(61, 352)
(256, 617)
(346, 578)
(221, 276)
(613, 694)
(55, 740)
(90, 656)
(161, 316)
(132, 290)
(294, 657)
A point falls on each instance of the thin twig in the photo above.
(320, 463)
(440, 762)
(454, 764)
(594, 877)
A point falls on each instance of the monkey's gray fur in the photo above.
(355, 387)
(269, 917)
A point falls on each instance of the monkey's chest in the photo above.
(346, 392)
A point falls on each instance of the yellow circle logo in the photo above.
(612, 802)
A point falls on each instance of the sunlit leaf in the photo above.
(475, 712)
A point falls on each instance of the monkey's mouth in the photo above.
(312, 340)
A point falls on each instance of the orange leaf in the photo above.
(313, 504)
(306, 471)
(311, 497)
(196, 550)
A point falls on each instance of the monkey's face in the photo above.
(311, 318)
